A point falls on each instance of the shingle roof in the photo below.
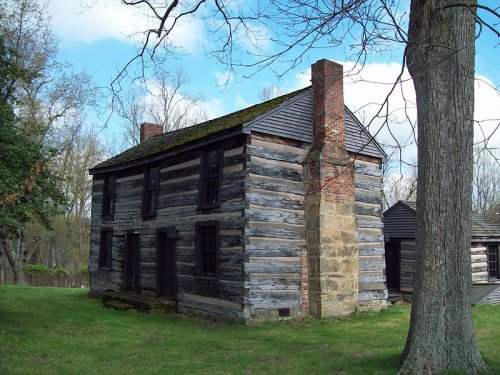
(168, 141)
(481, 226)
(357, 138)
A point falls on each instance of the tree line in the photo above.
(48, 143)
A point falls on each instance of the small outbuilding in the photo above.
(400, 224)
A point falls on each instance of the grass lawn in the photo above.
(62, 331)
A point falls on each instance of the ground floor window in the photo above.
(207, 248)
(493, 262)
(105, 248)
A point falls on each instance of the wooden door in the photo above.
(166, 273)
(392, 265)
(132, 262)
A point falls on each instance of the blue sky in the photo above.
(98, 40)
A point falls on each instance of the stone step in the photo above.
(120, 306)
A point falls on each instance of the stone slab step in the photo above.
(120, 306)
(141, 302)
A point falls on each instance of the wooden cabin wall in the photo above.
(102, 280)
(372, 290)
(479, 259)
(408, 252)
(275, 276)
(407, 273)
(178, 207)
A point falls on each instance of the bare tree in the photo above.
(438, 39)
(486, 181)
(270, 92)
(165, 100)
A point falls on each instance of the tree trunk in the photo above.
(7, 248)
(440, 58)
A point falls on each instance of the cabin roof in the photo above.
(481, 226)
(263, 117)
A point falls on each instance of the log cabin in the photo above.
(270, 212)
(400, 224)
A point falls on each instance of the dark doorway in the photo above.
(132, 262)
(165, 263)
(392, 265)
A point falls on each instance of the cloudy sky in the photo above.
(100, 36)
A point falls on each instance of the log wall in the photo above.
(274, 228)
(479, 259)
(178, 207)
(407, 273)
(479, 262)
(372, 289)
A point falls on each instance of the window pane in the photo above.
(105, 248)
(151, 180)
(210, 185)
(108, 199)
(493, 261)
(207, 240)
(213, 163)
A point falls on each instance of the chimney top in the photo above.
(149, 130)
(328, 103)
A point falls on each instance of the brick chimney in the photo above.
(149, 130)
(331, 230)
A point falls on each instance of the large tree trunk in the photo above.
(440, 58)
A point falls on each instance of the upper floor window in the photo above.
(105, 248)
(207, 248)
(150, 191)
(211, 176)
(108, 196)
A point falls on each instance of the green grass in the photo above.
(62, 331)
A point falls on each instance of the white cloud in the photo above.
(213, 108)
(487, 111)
(240, 102)
(89, 21)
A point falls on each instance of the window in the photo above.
(211, 175)
(207, 248)
(150, 191)
(108, 197)
(493, 262)
(105, 248)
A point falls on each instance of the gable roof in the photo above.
(395, 219)
(271, 117)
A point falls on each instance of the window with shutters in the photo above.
(108, 197)
(207, 248)
(211, 176)
(105, 248)
(150, 192)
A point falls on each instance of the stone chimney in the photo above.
(149, 130)
(331, 231)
